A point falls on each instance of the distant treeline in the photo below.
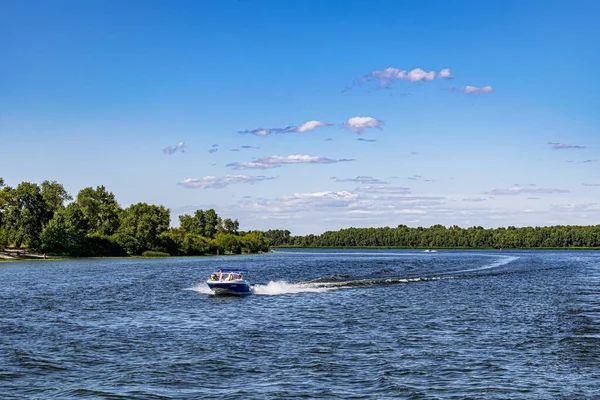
(44, 218)
(441, 237)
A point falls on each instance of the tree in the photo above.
(145, 223)
(277, 237)
(210, 229)
(55, 196)
(254, 242)
(230, 226)
(25, 214)
(220, 226)
(101, 210)
(227, 243)
(193, 224)
(66, 232)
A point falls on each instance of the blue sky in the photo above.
(469, 113)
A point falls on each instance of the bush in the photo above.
(150, 253)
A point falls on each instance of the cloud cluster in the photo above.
(277, 161)
(348, 203)
(390, 74)
(354, 124)
(172, 150)
(360, 139)
(220, 182)
(563, 146)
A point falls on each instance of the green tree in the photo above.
(254, 242)
(230, 226)
(66, 232)
(101, 210)
(25, 215)
(55, 196)
(193, 224)
(145, 223)
(227, 243)
(210, 229)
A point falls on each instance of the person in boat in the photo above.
(230, 278)
(239, 277)
(220, 274)
(213, 277)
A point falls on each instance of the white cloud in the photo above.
(310, 125)
(384, 190)
(474, 199)
(574, 207)
(591, 184)
(477, 90)
(359, 124)
(563, 146)
(172, 150)
(446, 73)
(387, 75)
(307, 126)
(219, 182)
(277, 161)
(363, 179)
(521, 190)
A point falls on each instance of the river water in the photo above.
(352, 324)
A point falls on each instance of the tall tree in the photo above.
(193, 224)
(210, 229)
(100, 208)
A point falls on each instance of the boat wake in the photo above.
(502, 261)
(338, 282)
(274, 288)
(201, 288)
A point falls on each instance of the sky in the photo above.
(310, 115)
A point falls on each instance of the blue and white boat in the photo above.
(229, 281)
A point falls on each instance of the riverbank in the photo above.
(11, 256)
(15, 255)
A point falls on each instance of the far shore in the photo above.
(10, 255)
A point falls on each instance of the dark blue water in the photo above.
(321, 324)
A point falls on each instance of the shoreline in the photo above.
(435, 248)
(39, 257)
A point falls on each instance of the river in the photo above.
(351, 324)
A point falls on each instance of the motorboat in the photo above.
(229, 281)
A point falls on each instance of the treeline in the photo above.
(47, 219)
(442, 237)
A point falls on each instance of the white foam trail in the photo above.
(201, 288)
(282, 287)
(503, 261)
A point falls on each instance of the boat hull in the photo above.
(229, 288)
